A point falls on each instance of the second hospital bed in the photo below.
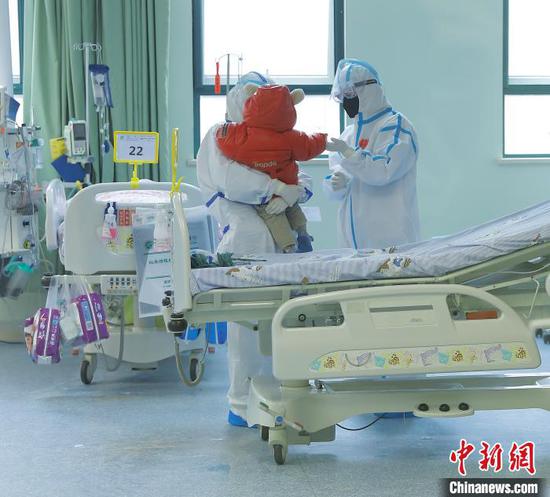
(394, 330)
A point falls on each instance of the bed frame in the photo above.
(394, 345)
(145, 342)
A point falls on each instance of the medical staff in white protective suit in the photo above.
(373, 164)
(230, 190)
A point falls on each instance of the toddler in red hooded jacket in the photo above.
(266, 141)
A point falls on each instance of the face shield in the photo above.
(349, 91)
(350, 100)
(351, 76)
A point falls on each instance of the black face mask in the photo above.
(351, 106)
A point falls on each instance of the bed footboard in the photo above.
(399, 330)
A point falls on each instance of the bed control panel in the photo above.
(397, 330)
(118, 284)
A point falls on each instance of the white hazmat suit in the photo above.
(229, 189)
(373, 164)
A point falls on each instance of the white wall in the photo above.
(441, 63)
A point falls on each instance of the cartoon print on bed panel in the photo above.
(432, 358)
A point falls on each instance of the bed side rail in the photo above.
(408, 329)
(181, 258)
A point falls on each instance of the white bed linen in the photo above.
(433, 257)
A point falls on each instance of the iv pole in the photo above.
(228, 74)
(87, 47)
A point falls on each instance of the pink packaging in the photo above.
(45, 341)
(28, 330)
(90, 314)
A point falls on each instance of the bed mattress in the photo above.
(435, 257)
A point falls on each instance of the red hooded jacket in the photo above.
(265, 140)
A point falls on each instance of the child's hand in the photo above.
(276, 206)
(291, 193)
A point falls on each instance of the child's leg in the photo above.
(298, 223)
(297, 219)
(280, 229)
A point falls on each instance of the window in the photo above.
(16, 37)
(300, 50)
(526, 78)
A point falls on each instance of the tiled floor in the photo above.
(145, 434)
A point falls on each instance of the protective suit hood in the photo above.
(356, 77)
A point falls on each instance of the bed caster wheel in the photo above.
(264, 433)
(279, 454)
(538, 333)
(177, 323)
(87, 369)
(196, 370)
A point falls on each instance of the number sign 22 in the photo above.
(136, 147)
(136, 150)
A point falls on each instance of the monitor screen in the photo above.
(79, 131)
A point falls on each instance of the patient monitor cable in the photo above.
(362, 427)
(534, 300)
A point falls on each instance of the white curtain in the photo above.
(6, 78)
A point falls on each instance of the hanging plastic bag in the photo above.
(43, 330)
(43, 336)
(88, 313)
(101, 86)
(84, 319)
(59, 297)
(74, 315)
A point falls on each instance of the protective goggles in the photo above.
(350, 90)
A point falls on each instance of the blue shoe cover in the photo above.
(235, 420)
(304, 244)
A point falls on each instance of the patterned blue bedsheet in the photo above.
(433, 257)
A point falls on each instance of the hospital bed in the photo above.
(74, 227)
(441, 328)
